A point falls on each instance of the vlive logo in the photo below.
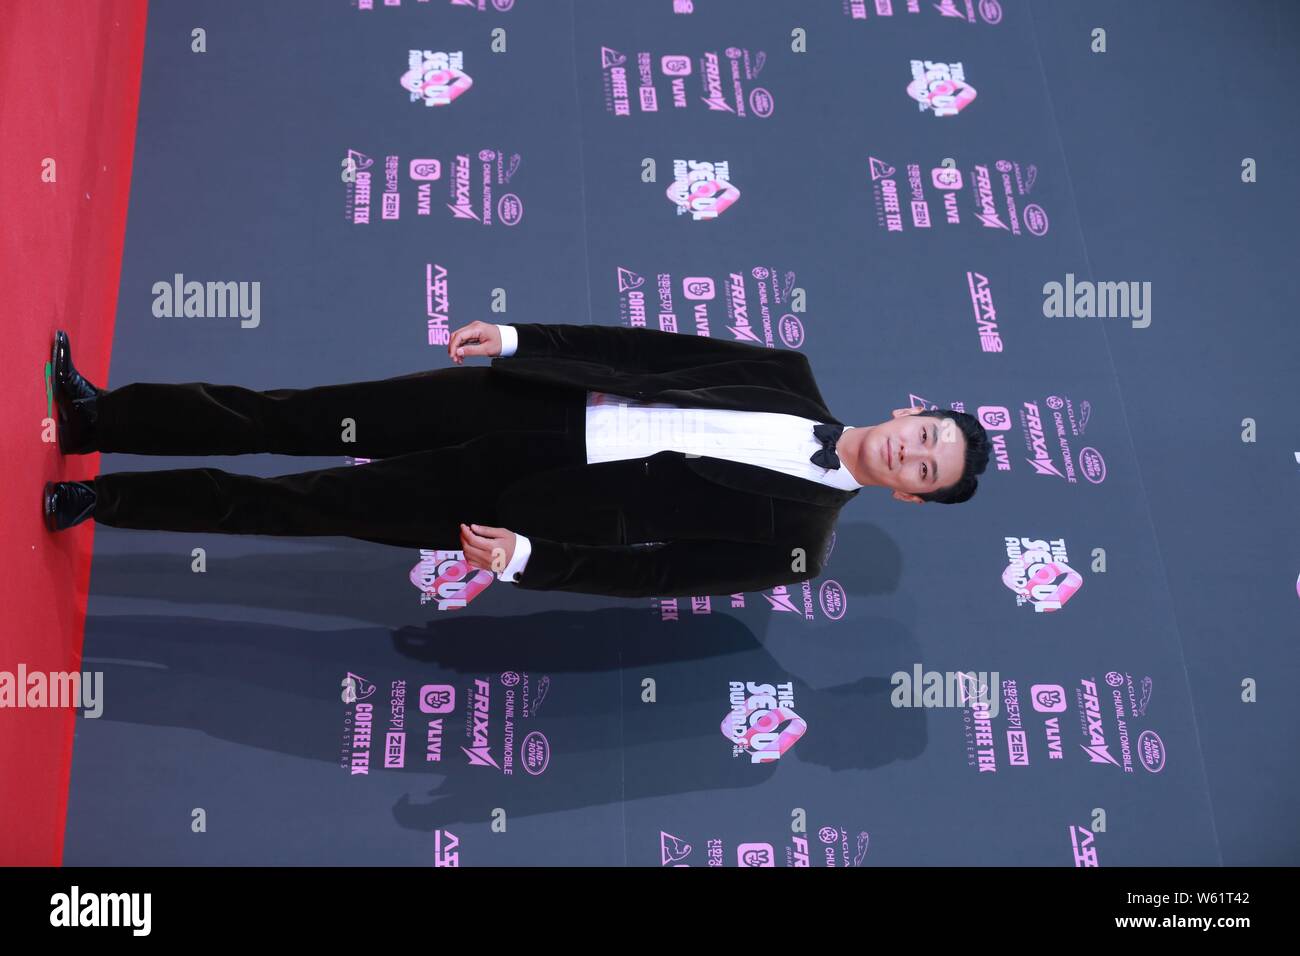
(940, 88)
(435, 77)
(703, 190)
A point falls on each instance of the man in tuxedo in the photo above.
(592, 459)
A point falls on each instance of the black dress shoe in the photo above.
(67, 503)
(78, 423)
(69, 385)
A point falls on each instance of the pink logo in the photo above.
(945, 177)
(610, 58)
(673, 65)
(1048, 698)
(832, 599)
(1092, 465)
(991, 11)
(1047, 584)
(1151, 751)
(535, 753)
(437, 698)
(791, 330)
(879, 168)
(704, 198)
(940, 87)
(435, 77)
(1035, 219)
(425, 169)
(755, 854)
(355, 688)
(672, 850)
(444, 848)
(698, 287)
(446, 577)
(510, 209)
(627, 280)
(994, 417)
(760, 102)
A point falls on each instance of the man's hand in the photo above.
(488, 548)
(477, 338)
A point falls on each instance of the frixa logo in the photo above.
(208, 300)
(1101, 300)
(702, 189)
(673, 850)
(479, 755)
(741, 330)
(945, 689)
(1097, 749)
(762, 721)
(940, 87)
(355, 688)
(1038, 572)
(445, 844)
(988, 212)
(1042, 461)
(435, 77)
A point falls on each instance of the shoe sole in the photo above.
(47, 506)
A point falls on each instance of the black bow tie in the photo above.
(828, 435)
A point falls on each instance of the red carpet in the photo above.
(69, 88)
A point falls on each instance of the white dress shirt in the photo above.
(620, 427)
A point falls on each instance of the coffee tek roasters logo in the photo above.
(1038, 572)
(940, 88)
(435, 77)
(762, 721)
(702, 189)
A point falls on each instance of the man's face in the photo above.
(913, 454)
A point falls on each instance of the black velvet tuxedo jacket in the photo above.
(669, 525)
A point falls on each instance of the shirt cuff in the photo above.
(523, 548)
(509, 340)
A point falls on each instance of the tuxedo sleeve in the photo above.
(644, 350)
(676, 569)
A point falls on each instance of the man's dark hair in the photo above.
(977, 458)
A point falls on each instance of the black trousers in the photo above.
(448, 441)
